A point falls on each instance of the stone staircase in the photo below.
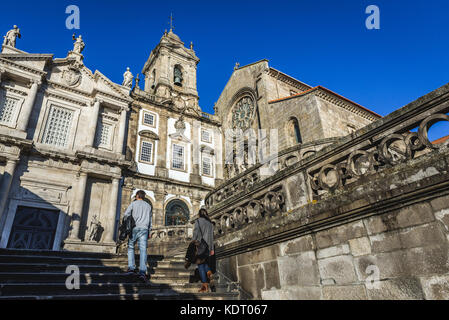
(42, 275)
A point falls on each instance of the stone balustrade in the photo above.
(261, 171)
(170, 233)
(387, 148)
(307, 174)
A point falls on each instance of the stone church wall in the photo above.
(359, 219)
(409, 247)
(306, 110)
(337, 121)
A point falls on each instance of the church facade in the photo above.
(174, 146)
(76, 147)
(62, 140)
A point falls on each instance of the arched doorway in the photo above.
(176, 213)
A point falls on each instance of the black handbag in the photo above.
(202, 251)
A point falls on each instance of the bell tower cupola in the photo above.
(170, 71)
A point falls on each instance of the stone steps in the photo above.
(45, 267)
(87, 278)
(26, 274)
(42, 289)
(131, 296)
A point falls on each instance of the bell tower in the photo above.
(170, 71)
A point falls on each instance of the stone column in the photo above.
(93, 123)
(195, 153)
(112, 215)
(196, 206)
(158, 207)
(121, 131)
(5, 183)
(28, 106)
(78, 206)
(218, 155)
(2, 71)
(161, 161)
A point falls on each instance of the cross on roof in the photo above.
(171, 22)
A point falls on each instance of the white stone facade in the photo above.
(62, 139)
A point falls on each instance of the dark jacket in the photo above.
(126, 228)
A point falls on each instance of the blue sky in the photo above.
(321, 42)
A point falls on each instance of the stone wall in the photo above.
(364, 218)
(408, 246)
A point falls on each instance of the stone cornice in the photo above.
(57, 95)
(288, 79)
(336, 99)
(142, 97)
(112, 97)
(23, 143)
(28, 69)
(14, 90)
(89, 95)
(143, 177)
(105, 157)
(57, 85)
(149, 134)
(346, 104)
(113, 86)
(27, 56)
(54, 154)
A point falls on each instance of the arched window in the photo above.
(176, 213)
(295, 132)
(153, 78)
(177, 76)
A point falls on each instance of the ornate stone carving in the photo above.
(149, 134)
(270, 204)
(11, 36)
(243, 114)
(393, 149)
(72, 76)
(180, 127)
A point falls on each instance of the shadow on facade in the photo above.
(32, 222)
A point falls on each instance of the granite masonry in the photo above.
(350, 205)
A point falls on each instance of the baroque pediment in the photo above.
(207, 149)
(149, 134)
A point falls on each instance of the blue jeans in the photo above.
(203, 269)
(140, 235)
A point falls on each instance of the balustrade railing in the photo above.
(170, 233)
(323, 169)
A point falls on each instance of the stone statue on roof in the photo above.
(11, 36)
(128, 79)
(79, 44)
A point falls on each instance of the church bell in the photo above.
(178, 80)
(178, 77)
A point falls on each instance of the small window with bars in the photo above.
(178, 157)
(58, 127)
(103, 137)
(149, 119)
(205, 136)
(146, 152)
(207, 166)
(8, 110)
